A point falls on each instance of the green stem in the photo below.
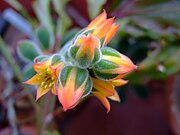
(16, 69)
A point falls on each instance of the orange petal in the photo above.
(111, 33)
(125, 64)
(41, 65)
(97, 20)
(87, 45)
(119, 82)
(67, 95)
(34, 80)
(57, 68)
(41, 91)
(103, 100)
(103, 28)
(115, 97)
(104, 87)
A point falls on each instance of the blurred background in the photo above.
(149, 34)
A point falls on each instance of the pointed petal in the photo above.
(34, 80)
(111, 33)
(68, 95)
(41, 65)
(41, 91)
(57, 68)
(125, 64)
(115, 97)
(104, 87)
(103, 100)
(119, 82)
(87, 46)
(97, 20)
(103, 28)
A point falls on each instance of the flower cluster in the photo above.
(87, 66)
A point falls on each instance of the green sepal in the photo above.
(41, 58)
(81, 75)
(97, 56)
(56, 59)
(82, 62)
(110, 52)
(64, 74)
(88, 88)
(104, 76)
(28, 50)
(103, 65)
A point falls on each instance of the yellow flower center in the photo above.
(47, 78)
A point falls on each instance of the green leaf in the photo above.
(28, 50)
(42, 10)
(45, 37)
(94, 7)
(69, 35)
(64, 21)
(28, 72)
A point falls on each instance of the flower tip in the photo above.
(65, 109)
(108, 110)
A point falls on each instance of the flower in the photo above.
(112, 65)
(102, 27)
(73, 84)
(46, 77)
(86, 50)
(86, 66)
(105, 89)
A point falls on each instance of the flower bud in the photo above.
(86, 50)
(112, 65)
(73, 84)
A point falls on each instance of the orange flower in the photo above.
(86, 50)
(46, 76)
(73, 84)
(102, 27)
(105, 89)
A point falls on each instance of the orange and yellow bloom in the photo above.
(85, 66)
(106, 89)
(73, 84)
(102, 27)
(46, 77)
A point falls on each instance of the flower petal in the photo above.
(97, 20)
(104, 87)
(41, 91)
(119, 82)
(111, 33)
(34, 80)
(41, 65)
(115, 97)
(68, 95)
(103, 28)
(103, 100)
